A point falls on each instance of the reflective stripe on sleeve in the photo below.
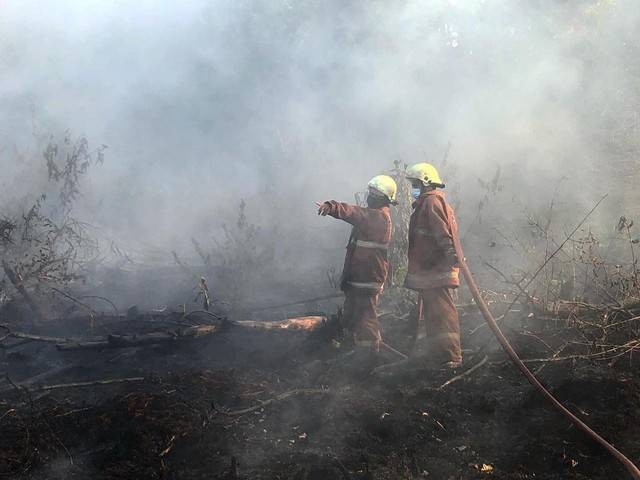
(366, 244)
(370, 285)
(424, 232)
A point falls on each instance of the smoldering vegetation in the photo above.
(159, 165)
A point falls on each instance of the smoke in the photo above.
(284, 103)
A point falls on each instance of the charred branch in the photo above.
(16, 281)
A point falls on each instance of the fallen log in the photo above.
(136, 340)
(38, 338)
(122, 341)
(83, 345)
(300, 323)
(114, 341)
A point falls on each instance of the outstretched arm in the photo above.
(349, 213)
(323, 208)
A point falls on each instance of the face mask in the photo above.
(415, 192)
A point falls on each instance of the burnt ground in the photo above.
(184, 420)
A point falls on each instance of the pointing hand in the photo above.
(323, 208)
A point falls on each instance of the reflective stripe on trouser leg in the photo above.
(361, 317)
(443, 325)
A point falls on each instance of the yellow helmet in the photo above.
(385, 185)
(426, 173)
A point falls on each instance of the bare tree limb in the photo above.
(555, 252)
(90, 384)
(91, 311)
(464, 374)
(277, 398)
(17, 283)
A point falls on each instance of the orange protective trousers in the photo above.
(442, 324)
(361, 318)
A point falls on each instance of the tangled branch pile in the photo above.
(41, 242)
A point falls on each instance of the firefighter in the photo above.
(366, 265)
(433, 269)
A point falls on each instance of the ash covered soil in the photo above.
(289, 404)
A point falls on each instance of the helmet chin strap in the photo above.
(432, 185)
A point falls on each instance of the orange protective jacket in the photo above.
(366, 265)
(433, 243)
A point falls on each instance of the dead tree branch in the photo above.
(91, 311)
(277, 398)
(93, 383)
(555, 252)
(464, 374)
(15, 280)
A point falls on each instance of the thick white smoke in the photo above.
(284, 103)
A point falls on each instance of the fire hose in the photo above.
(493, 325)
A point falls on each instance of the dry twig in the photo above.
(277, 398)
(90, 384)
(464, 374)
(555, 252)
(91, 311)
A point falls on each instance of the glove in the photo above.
(451, 257)
(324, 208)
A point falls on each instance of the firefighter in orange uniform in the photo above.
(433, 269)
(366, 265)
